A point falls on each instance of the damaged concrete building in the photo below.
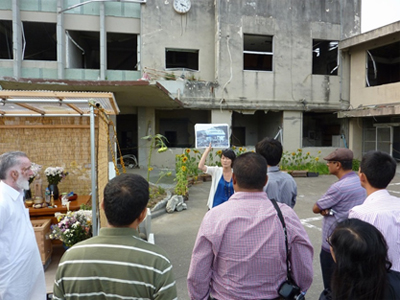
(266, 68)
(373, 63)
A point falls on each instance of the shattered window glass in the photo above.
(325, 57)
(383, 65)
(46, 49)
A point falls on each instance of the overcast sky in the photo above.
(378, 13)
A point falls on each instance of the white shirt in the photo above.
(383, 211)
(216, 173)
(21, 269)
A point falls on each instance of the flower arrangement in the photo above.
(72, 227)
(35, 168)
(55, 174)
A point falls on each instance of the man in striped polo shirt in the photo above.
(335, 204)
(117, 264)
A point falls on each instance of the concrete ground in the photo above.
(176, 232)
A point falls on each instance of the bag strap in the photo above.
(278, 210)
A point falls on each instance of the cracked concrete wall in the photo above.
(216, 29)
(162, 27)
(293, 25)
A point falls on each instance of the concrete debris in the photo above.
(175, 203)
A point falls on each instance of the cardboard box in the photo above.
(42, 231)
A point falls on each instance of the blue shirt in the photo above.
(341, 197)
(281, 186)
(223, 192)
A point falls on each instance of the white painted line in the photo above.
(394, 192)
(305, 222)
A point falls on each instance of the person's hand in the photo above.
(324, 212)
(208, 149)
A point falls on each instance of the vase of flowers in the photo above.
(54, 176)
(72, 227)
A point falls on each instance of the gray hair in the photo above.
(9, 160)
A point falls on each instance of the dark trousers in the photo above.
(327, 267)
(394, 282)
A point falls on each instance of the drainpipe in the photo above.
(60, 41)
(103, 42)
(17, 39)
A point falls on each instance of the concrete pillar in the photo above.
(17, 39)
(344, 71)
(60, 41)
(146, 126)
(292, 130)
(222, 117)
(355, 137)
(103, 42)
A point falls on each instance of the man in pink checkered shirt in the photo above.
(240, 247)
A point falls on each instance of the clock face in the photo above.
(182, 6)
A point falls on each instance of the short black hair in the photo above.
(271, 150)
(125, 197)
(250, 170)
(346, 164)
(379, 168)
(229, 153)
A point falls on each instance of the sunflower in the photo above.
(150, 169)
(184, 159)
(317, 158)
(187, 150)
(219, 152)
(183, 168)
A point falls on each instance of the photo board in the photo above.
(216, 134)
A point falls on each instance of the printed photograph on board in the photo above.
(216, 134)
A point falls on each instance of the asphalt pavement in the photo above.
(176, 232)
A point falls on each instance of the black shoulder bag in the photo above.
(289, 290)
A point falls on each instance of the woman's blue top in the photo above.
(223, 192)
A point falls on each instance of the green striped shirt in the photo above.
(117, 264)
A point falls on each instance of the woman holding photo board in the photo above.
(221, 183)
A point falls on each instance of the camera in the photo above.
(290, 291)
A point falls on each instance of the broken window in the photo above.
(182, 59)
(325, 57)
(121, 51)
(83, 49)
(39, 41)
(257, 52)
(6, 40)
(322, 130)
(383, 65)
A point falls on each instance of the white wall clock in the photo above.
(182, 6)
